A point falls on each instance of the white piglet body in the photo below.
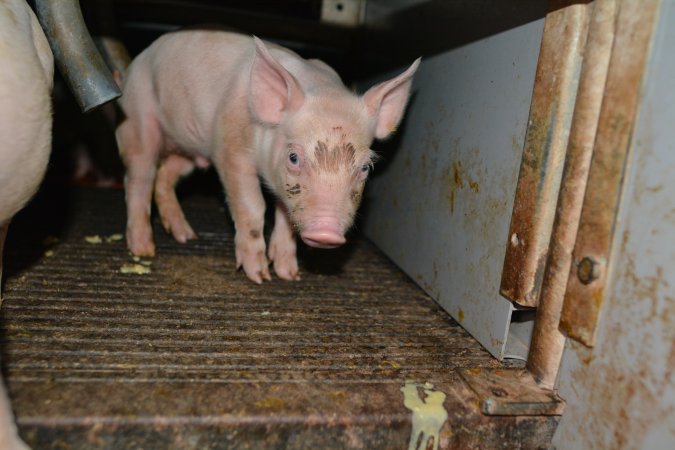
(252, 109)
(26, 77)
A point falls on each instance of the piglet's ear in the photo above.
(386, 101)
(272, 89)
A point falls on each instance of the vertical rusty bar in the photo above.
(588, 273)
(76, 56)
(547, 341)
(551, 111)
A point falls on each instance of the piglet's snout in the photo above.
(323, 233)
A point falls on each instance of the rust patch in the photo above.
(454, 179)
(632, 389)
(457, 174)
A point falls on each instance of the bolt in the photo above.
(499, 392)
(588, 270)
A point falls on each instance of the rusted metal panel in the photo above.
(620, 393)
(551, 111)
(547, 341)
(75, 53)
(511, 392)
(439, 202)
(588, 273)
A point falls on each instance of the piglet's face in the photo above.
(323, 184)
(322, 151)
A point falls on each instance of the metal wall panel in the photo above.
(621, 393)
(441, 201)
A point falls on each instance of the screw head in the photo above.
(588, 270)
(499, 392)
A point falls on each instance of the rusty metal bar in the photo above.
(588, 273)
(547, 342)
(75, 53)
(551, 111)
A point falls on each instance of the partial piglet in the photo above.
(25, 135)
(253, 109)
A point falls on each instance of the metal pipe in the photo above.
(547, 341)
(76, 55)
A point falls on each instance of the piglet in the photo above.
(25, 135)
(252, 109)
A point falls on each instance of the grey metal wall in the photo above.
(621, 393)
(440, 203)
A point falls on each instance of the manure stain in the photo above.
(455, 179)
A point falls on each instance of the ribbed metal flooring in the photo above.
(193, 355)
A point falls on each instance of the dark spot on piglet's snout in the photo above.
(255, 234)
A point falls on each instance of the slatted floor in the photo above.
(193, 355)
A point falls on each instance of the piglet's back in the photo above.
(203, 63)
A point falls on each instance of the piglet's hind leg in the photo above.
(172, 169)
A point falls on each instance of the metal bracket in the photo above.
(511, 392)
(347, 13)
(587, 279)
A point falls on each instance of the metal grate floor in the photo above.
(194, 356)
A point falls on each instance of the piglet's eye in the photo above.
(293, 158)
(365, 168)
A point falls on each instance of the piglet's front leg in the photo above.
(282, 246)
(247, 206)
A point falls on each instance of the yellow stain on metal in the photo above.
(429, 415)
